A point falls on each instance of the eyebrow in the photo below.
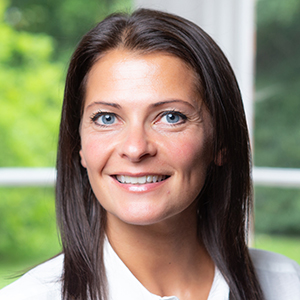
(111, 104)
(171, 101)
(160, 103)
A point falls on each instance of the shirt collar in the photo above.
(123, 285)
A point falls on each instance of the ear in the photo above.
(220, 159)
(83, 162)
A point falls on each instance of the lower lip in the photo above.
(140, 188)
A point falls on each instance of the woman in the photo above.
(153, 173)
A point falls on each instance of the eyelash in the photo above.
(183, 117)
(99, 114)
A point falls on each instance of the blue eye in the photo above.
(107, 119)
(173, 118)
(103, 118)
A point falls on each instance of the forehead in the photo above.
(125, 71)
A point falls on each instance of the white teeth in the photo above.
(134, 180)
(140, 180)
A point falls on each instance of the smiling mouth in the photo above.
(141, 180)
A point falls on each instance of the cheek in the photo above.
(92, 152)
(190, 152)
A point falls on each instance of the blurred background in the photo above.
(37, 38)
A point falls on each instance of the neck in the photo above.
(167, 258)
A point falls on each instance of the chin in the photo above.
(140, 219)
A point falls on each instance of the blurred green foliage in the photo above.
(65, 21)
(31, 88)
(277, 211)
(285, 245)
(277, 107)
(27, 226)
(277, 123)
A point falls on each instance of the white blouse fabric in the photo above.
(278, 275)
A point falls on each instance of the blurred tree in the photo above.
(27, 225)
(66, 21)
(277, 123)
(282, 205)
(30, 93)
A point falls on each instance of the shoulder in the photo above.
(41, 283)
(273, 262)
(279, 276)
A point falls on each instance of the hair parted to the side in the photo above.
(225, 202)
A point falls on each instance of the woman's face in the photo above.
(145, 137)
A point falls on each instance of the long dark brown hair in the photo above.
(224, 204)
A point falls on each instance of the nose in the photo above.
(137, 145)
